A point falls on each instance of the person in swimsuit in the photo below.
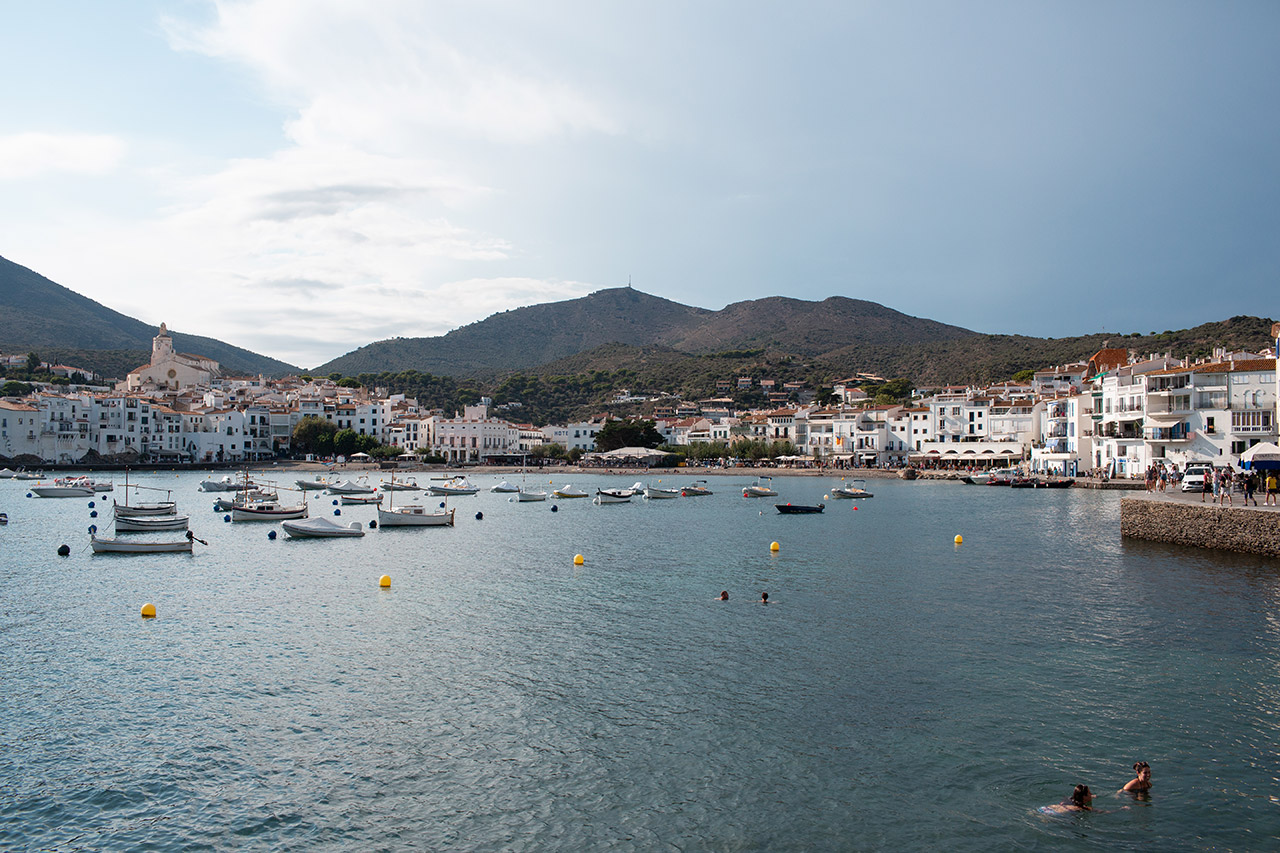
(1080, 801)
(1142, 782)
(724, 596)
(764, 598)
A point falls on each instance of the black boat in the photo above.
(799, 509)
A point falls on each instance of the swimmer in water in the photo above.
(724, 596)
(1142, 770)
(764, 598)
(1081, 801)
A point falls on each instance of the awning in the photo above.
(1164, 421)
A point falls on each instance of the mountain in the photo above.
(38, 315)
(527, 337)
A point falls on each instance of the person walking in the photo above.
(1269, 486)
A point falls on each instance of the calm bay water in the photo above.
(899, 693)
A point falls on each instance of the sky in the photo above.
(303, 177)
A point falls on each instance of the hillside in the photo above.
(527, 337)
(39, 315)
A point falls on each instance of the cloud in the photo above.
(29, 155)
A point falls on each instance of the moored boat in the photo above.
(350, 500)
(568, 491)
(761, 488)
(69, 487)
(141, 523)
(504, 487)
(144, 509)
(799, 509)
(527, 495)
(320, 528)
(698, 489)
(655, 493)
(612, 496)
(267, 511)
(133, 546)
(311, 485)
(346, 487)
(854, 489)
(414, 516)
(456, 486)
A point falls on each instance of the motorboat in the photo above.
(976, 479)
(799, 509)
(29, 475)
(346, 487)
(7, 473)
(456, 486)
(761, 488)
(1003, 476)
(854, 489)
(637, 488)
(414, 516)
(71, 487)
(504, 488)
(698, 489)
(613, 496)
(350, 500)
(405, 486)
(133, 546)
(267, 511)
(311, 485)
(321, 527)
(1058, 483)
(224, 484)
(569, 492)
(1024, 483)
(526, 495)
(140, 523)
(655, 493)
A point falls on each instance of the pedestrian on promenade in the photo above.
(1269, 495)
(1250, 486)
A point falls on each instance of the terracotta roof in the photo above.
(1239, 366)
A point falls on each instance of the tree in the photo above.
(314, 435)
(627, 433)
(335, 376)
(348, 382)
(826, 396)
(33, 362)
(1024, 375)
(345, 442)
(16, 389)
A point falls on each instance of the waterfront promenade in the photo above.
(1182, 518)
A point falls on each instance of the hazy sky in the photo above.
(301, 177)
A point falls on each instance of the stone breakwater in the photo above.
(1202, 525)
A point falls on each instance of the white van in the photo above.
(1196, 478)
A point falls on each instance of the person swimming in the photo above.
(764, 598)
(724, 595)
(1142, 782)
(1080, 801)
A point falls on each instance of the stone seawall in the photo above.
(1201, 525)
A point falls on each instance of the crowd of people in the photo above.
(1220, 483)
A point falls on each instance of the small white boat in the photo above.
(29, 475)
(696, 490)
(267, 511)
(249, 498)
(138, 524)
(7, 473)
(569, 492)
(526, 495)
(613, 496)
(311, 485)
(456, 486)
(761, 488)
(414, 516)
(854, 489)
(72, 487)
(225, 484)
(655, 493)
(346, 487)
(403, 486)
(504, 487)
(353, 500)
(321, 527)
(133, 546)
(145, 509)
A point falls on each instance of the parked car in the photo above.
(1196, 479)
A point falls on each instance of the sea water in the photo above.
(898, 692)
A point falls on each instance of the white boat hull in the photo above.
(414, 516)
(525, 497)
(359, 500)
(62, 491)
(119, 546)
(661, 494)
(321, 528)
(155, 522)
(143, 510)
(612, 498)
(250, 513)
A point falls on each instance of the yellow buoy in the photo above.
(384, 581)
(826, 497)
(148, 611)
(774, 546)
(959, 539)
(578, 560)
